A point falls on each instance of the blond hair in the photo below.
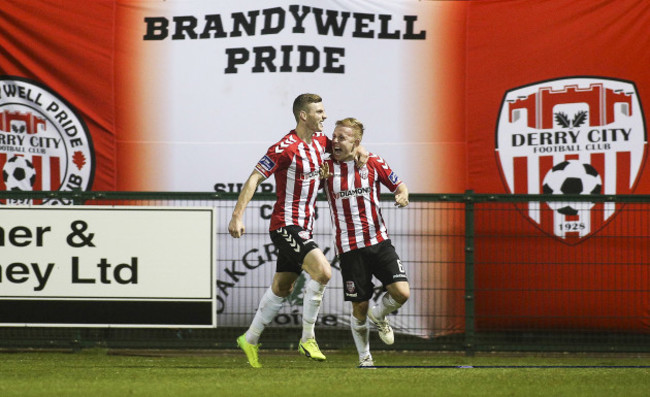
(354, 124)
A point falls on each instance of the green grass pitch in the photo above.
(100, 372)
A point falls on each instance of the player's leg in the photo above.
(287, 271)
(268, 308)
(296, 243)
(320, 272)
(381, 322)
(361, 333)
(396, 295)
(358, 289)
(270, 304)
(391, 273)
(399, 291)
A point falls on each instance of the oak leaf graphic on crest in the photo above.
(562, 119)
(579, 118)
(79, 159)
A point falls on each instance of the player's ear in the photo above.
(303, 115)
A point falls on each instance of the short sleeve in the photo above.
(268, 164)
(386, 175)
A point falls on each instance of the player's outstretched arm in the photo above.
(236, 226)
(402, 195)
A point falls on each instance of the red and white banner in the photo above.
(557, 94)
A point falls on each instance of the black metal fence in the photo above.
(487, 272)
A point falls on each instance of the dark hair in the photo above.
(301, 102)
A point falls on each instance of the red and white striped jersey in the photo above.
(295, 165)
(353, 195)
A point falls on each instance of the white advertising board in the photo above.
(107, 266)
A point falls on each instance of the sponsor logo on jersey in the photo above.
(574, 135)
(266, 163)
(44, 144)
(360, 191)
(310, 175)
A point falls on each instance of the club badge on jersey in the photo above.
(304, 235)
(363, 172)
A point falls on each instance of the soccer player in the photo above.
(295, 161)
(362, 241)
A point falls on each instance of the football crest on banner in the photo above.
(574, 135)
(44, 144)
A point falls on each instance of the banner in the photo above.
(558, 105)
(103, 266)
(209, 86)
(57, 93)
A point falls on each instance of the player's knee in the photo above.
(403, 297)
(360, 310)
(321, 271)
(323, 277)
(326, 274)
(401, 294)
(282, 290)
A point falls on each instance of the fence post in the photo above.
(470, 344)
(76, 197)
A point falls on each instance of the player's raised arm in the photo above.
(236, 226)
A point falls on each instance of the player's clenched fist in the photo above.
(236, 227)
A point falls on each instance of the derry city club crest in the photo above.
(44, 144)
(576, 135)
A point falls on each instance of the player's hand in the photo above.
(324, 171)
(361, 157)
(236, 227)
(401, 200)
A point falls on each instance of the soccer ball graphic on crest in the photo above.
(18, 173)
(571, 177)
